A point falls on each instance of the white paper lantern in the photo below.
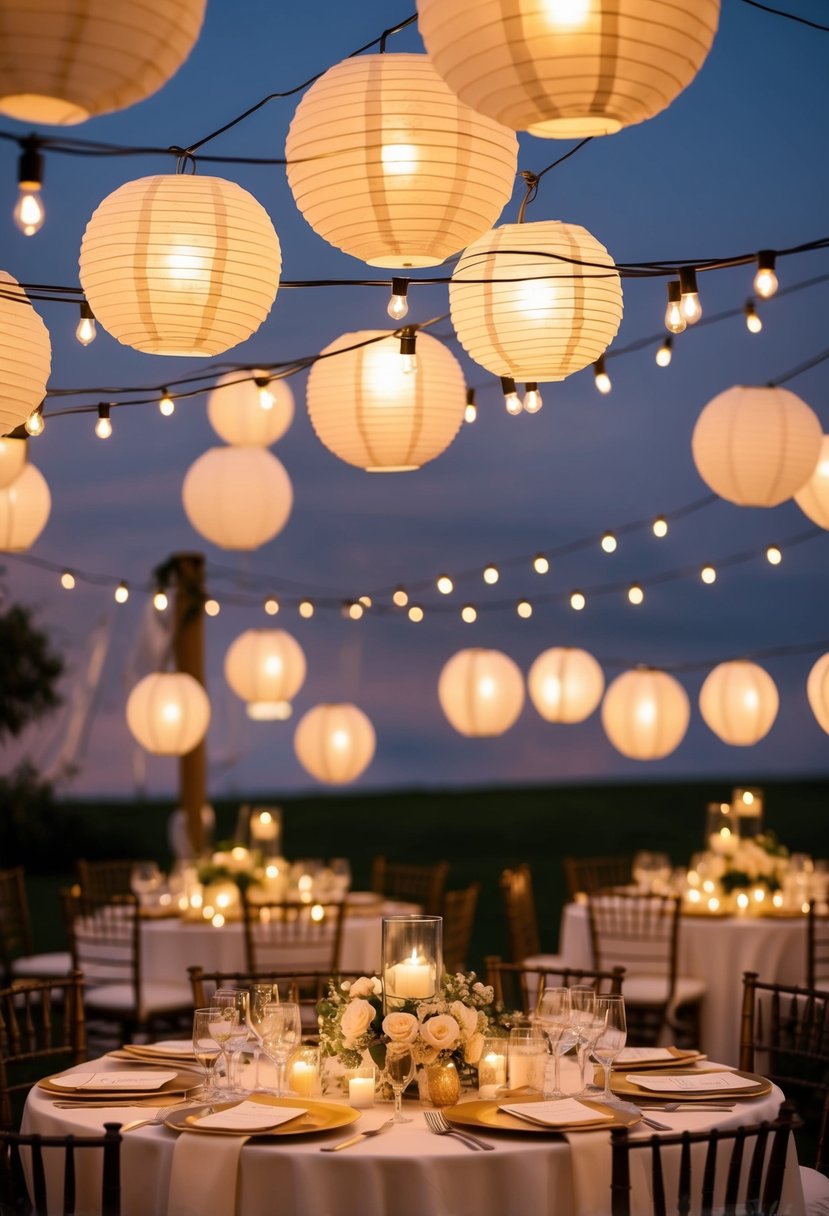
(67, 60)
(813, 497)
(24, 509)
(564, 69)
(386, 164)
(372, 414)
(238, 498)
(266, 668)
(247, 414)
(565, 684)
(334, 743)
(25, 355)
(533, 301)
(738, 702)
(817, 690)
(13, 453)
(180, 264)
(481, 692)
(756, 446)
(168, 713)
(645, 714)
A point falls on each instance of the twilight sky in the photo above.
(735, 165)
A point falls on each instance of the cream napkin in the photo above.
(130, 1081)
(590, 1170)
(204, 1175)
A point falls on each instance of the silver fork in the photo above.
(158, 1117)
(436, 1122)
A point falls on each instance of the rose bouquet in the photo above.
(757, 861)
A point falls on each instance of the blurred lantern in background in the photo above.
(13, 454)
(25, 505)
(481, 692)
(565, 684)
(813, 497)
(168, 713)
(266, 668)
(249, 409)
(817, 690)
(738, 702)
(645, 713)
(238, 498)
(335, 742)
(25, 355)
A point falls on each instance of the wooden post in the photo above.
(188, 650)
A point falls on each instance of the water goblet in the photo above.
(582, 1021)
(206, 1051)
(224, 1017)
(145, 880)
(234, 1003)
(281, 1033)
(260, 996)
(400, 1067)
(609, 1042)
(553, 1016)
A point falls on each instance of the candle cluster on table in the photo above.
(412, 958)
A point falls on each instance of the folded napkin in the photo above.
(692, 1082)
(131, 1081)
(250, 1117)
(204, 1175)
(632, 1057)
(590, 1174)
(168, 1047)
(563, 1113)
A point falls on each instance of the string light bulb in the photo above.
(29, 212)
(353, 610)
(541, 564)
(67, 580)
(469, 614)
(511, 399)
(305, 609)
(166, 404)
(609, 542)
(160, 600)
(365, 600)
(602, 379)
(660, 526)
(689, 295)
(533, 400)
(635, 594)
(708, 574)
(271, 605)
(577, 600)
(408, 354)
(35, 424)
(524, 609)
(444, 584)
(86, 328)
(416, 613)
(765, 280)
(665, 353)
(471, 411)
(398, 306)
(753, 320)
(103, 427)
(122, 593)
(212, 607)
(674, 317)
(491, 575)
(774, 555)
(400, 598)
(266, 397)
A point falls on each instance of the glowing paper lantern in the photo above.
(25, 355)
(247, 414)
(334, 743)
(168, 713)
(563, 69)
(239, 498)
(266, 668)
(180, 265)
(813, 497)
(817, 690)
(481, 692)
(12, 460)
(645, 714)
(738, 702)
(386, 164)
(67, 60)
(24, 509)
(532, 301)
(565, 684)
(371, 413)
(756, 446)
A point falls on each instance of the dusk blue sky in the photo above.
(736, 164)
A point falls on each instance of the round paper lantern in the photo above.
(738, 702)
(168, 713)
(817, 690)
(813, 497)
(334, 743)
(25, 355)
(481, 692)
(13, 454)
(266, 668)
(388, 165)
(756, 446)
(24, 509)
(67, 60)
(180, 265)
(565, 684)
(238, 498)
(532, 302)
(645, 714)
(371, 413)
(247, 414)
(564, 69)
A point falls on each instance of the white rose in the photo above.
(473, 1049)
(441, 1032)
(400, 1027)
(356, 1020)
(362, 987)
(466, 1018)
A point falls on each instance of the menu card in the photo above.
(250, 1117)
(132, 1080)
(699, 1082)
(566, 1111)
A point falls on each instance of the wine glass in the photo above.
(206, 1051)
(400, 1068)
(610, 1040)
(553, 1016)
(582, 1022)
(260, 996)
(234, 1004)
(223, 1017)
(145, 879)
(651, 871)
(281, 1032)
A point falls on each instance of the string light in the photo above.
(524, 609)
(160, 600)
(635, 594)
(212, 607)
(511, 399)
(103, 427)
(660, 526)
(533, 400)
(665, 353)
(773, 555)
(305, 609)
(86, 329)
(577, 601)
(400, 597)
(471, 411)
(540, 564)
(416, 613)
(354, 610)
(674, 317)
(689, 295)
(35, 424)
(408, 354)
(271, 606)
(365, 600)
(266, 397)
(122, 593)
(765, 280)
(67, 580)
(469, 614)
(609, 542)
(398, 306)
(29, 212)
(491, 575)
(444, 584)
(708, 574)
(753, 321)
(166, 404)
(600, 375)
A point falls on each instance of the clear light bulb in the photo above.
(577, 601)
(398, 306)
(86, 329)
(166, 404)
(103, 427)
(29, 212)
(674, 319)
(122, 593)
(540, 564)
(67, 580)
(765, 280)
(445, 585)
(266, 397)
(160, 600)
(524, 609)
(635, 594)
(408, 357)
(602, 379)
(609, 542)
(773, 555)
(665, 353)
(660, 526)
(753, 321)
(532, 398)
(491, 575)
(469, 613)
(400, 597)
(408, 364)
(470, 413)
(689, 295)
(708, 574)
(35, 423)
(271, 606)
(511, 399)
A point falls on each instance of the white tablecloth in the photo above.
(717, 950)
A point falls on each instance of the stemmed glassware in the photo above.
(260, 996)
(553, 1015)
(224, 1017)
(586, 1026)
(610, 1040)
(234, 1005)
(400, 1067)
(281, 1032)
(206, 1051)
(145, 880)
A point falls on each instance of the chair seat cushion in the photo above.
(156, 998)
(32, 966)
(815, 1192)
(653, 990)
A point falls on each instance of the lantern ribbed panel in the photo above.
(564, 69)
(645, 714)
(64, 61)
(25, 355)
(565, 684)
(738, 702)
(168, 713)
(388, 165)
(236, 414)
(13, 453)
(817, 690)
(526, 313)
(481, 692)
(813, 497)
(238, 498)
(24, 510)
(180, 265)
(265, 665)
(371, 414)
(756, 447)
(334, 743)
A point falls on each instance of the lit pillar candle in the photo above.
(492, 1074)
(303, 1078)
(413, 979)
(361, 1092)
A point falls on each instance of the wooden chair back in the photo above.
(458, 922)
(15, 923)
(307, 988)
(418, 883)
(520, 913)
(101, 880)
(586, 875)
(15, 1199)
(292, 937)
(517, 986)
(817, 948)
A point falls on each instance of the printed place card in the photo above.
(250, 1117)
(566, 1111)
(690, 1083)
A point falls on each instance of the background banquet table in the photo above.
(717, 950)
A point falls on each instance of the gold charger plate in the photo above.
(483, 1113)
(757, 1087)
(318, 1117)
(129, 1055)
(179, 1084)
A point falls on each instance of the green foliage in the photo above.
(29, 671)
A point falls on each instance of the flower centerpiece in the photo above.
(234, 863)
(759, 861)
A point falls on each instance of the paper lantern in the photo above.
(565, 684)
(238, 498)
(813, 497)
(756, 446)
(13, 454)
(817, 690)
(564, 69)
(266, 668)
(168, 713)
(532, 301)
(738, 702)
(334, 743)
(645, 714)
(180, 264)
(481, 692)
(371, 413)
(248, 414)
(25, 355)
(386, 164)
(24, 509)
(67, 60)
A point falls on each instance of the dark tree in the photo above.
(29, 672)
